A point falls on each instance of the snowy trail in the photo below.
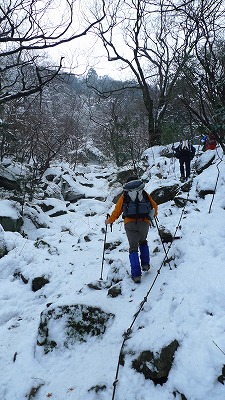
(186, 303)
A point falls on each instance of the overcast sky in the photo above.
(85, 52)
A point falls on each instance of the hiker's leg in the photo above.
(143, 228)
(143, 245)
(188, 168)
(182, 168)
(133, 235)
(144, 254)
(132, 232)
(134, 264)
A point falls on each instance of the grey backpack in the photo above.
(136, 202)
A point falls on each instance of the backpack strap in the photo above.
(136, 204)
(145, 195)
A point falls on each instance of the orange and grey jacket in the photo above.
(119, 209)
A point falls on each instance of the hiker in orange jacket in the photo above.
(136, 223)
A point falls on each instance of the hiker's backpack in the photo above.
(136, 201)
(184, 150)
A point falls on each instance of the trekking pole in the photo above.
(152, 222)
(103, 254)
(165, 251)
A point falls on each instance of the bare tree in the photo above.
(27, 28)
(119, 124)
(203, 80)
(148, 39)
(154, 40)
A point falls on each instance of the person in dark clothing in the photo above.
(185, 153)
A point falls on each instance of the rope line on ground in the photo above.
(126, 335)
(128, 332)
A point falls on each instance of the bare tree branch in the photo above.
(27, 27)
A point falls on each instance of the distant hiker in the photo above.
(203, 141)
(138, 208)
(210, 143)
(185, 153)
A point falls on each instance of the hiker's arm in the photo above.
(177, 152)
(116, 212)
(154, 205)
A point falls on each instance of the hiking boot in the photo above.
(136, 279)
(145, 267)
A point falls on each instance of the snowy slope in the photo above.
(186, 303)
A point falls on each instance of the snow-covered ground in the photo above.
(187, 301)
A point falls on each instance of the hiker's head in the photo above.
(132, 178)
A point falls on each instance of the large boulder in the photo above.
(165, 193)
(53, 190)
(156, 366)
(122, 176)
(204, 161)
(8, 180)
(38, 283)
(3, 248)
(10, 217)
(206, 184)
(221, 378)
(70, 189)
(36, 216)
(52, 207)
(181, 201)
(66, 325)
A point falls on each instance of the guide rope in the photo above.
(141, 305)
(127, 334)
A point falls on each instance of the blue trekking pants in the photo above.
(137, 232)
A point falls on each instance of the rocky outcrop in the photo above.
(165, 193)
(204, 192)
(115, 291)
(122, 176)
(165, 235)
(75, 324)
(36, 215)
(70, 190)
(8, 180)
(11, 224)
(221, 378)
(204, 161)
(181, 201)
(10, 217)
(156, 367)
(38, 283)
(53, 207)
(3, 248)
